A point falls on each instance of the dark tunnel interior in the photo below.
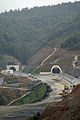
(56, 70)
(12, 68)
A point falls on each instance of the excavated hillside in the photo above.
(37, 58)
(62, 57)
(67, 109)
(14, 87)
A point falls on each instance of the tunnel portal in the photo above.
(12, 68)
(56, 69)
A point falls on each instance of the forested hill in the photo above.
(23, 33)
(72, 42)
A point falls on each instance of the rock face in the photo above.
(67, 109)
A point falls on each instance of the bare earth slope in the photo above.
(67, 109)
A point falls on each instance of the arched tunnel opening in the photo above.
(12, 68)
(56, 69)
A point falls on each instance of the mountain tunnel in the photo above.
(56, 69)
(12, 68)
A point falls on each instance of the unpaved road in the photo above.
(23, 111)
(18, 112)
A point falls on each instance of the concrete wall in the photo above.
(45, 73)
(7, 71)
(15, 66)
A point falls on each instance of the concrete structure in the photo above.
(45, 73)
(13, 67)
(7, 71)
(56, 69)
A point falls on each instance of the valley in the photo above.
(40, 63)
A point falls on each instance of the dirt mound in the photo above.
(67, 109)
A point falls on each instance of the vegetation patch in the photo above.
(72, 42)
(23, 33)
(36, 94)
(1, 99)
(35, 117)
(2, 62)
(36, 71)
(31, 69)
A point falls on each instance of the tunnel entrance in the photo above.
(12, 68)
(56, 69)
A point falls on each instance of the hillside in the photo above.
(37, 58)
(72, 42)
(14, 87)
(67, 109)
(2, 62)
(62, 57)
(23, 33)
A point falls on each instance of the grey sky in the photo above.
(15, 4)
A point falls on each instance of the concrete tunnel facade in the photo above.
(56, 69)
(13, 67)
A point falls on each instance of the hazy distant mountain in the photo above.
(23, 33)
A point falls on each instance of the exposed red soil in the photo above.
(68, 52)
(67, 109)
(10, 93)
(45, 52)
(37, 58)
(1, 75)
(63, 52)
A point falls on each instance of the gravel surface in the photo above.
(21, 114)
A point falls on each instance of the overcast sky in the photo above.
(15, 4)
